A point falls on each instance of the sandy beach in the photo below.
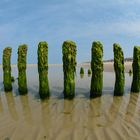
(105, 118)
(108, 66)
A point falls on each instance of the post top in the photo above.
(69, 42)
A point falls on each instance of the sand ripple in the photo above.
(80, 119)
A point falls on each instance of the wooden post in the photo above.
(82, 70)
(97, 69)
(69, 68)
(43, 70)
(119, 70)
(89, 72)
(135, 87)
(22, 82)
(7, 69)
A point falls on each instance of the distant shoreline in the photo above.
(126, 60)
(112, 60)
(108, 66)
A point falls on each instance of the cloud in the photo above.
(81, 20)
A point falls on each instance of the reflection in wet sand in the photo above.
(26, 109)
(76, 119)
(131, 107)
(114, 109)
(52, 112)
(11, 105)
(94, 113)
(81, 76)
(46, 119)
(103, 118)
(67, 120)
(1, 106)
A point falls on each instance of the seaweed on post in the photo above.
(97, 69)
(119, 70)
(22, 82)
(43, 70)
(130, 72)
(89, 72)
(81, 76)
(69, 68)
(135, 87)
(82, 70)
(7, 69)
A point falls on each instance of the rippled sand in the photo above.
(105, 118)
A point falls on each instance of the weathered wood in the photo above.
(69, 68)
(119, 70)
(43, 70)
(135, 87)
(81, 70)
(97, 69)
(22, 82)
(7, 69)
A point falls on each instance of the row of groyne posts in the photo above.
(69, 68)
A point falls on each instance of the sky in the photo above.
(83, 21)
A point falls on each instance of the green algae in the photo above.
(130, 72)
(82, 70)
(22, 81)
(97, 69)
(135, 87)
(43, 70)
(89, 72)
(119, 70)
(7, 69)
(69, 68)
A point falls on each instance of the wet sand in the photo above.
(105, 118)
(108, 66)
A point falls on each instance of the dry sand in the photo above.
(108, 66)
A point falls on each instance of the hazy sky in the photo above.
(83, 21)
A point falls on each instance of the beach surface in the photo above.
(103, 118)
(109, 66)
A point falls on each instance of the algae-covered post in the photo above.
(7, 69)
(69, 68)
(82, 70)
(135, 87)
(97, 69)
(22, 82)
(130, 72)
(89, 71)
(43, 70)
(119, 70)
